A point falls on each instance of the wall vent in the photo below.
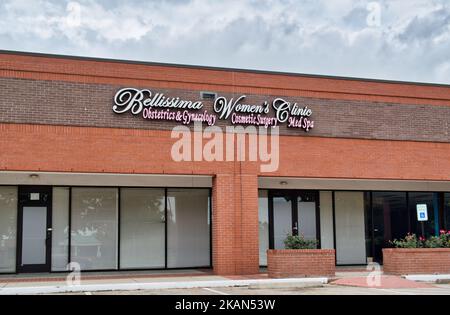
(208, 95)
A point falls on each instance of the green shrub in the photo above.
(299, 242)
(409, 241)
(441, 241)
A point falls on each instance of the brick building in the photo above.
(81, 182)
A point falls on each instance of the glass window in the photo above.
(306, 209)
(429, 199)
(188, 228)
(60, 226)
(282, 219)
(34, 235)
(447, 211)
(350, 227)
(8, 227)
(368, 220)
(390, 219)
(94, 228)
(142, 228)
(326, 220)
(263, 216)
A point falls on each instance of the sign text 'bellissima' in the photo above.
(157, 106)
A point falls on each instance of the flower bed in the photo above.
(412, 241)
(418, 255)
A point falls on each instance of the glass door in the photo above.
(34, 229)
(292, 212)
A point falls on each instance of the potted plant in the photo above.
(418, 255)
(300, 258)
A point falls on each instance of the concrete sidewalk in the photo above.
(191, 279)
(153, 283)
(384, 282)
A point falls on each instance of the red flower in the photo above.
(442, 231)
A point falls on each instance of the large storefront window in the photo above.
(94, 228)
(447, 211)
(142, 228)
(350, 227)
(188, 228)
(263, 218)
(390, 219)
(8, 228)
(326, 220)
(91, 228)
(60, 226)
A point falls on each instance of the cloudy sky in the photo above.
(387, 39)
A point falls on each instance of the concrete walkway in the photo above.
(147, 281)
(154, 283)
(383, 282)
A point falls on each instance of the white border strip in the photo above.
(265, 182)
(103, 179)
(427, 278)
(132, 286)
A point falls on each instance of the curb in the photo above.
(429, 278)
(162, 285)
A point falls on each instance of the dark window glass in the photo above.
(390, 219)
(447, 211)
(368, 219)
(263, 218)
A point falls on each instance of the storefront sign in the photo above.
(157, 106)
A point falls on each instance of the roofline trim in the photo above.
(174, 65)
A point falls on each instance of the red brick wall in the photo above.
(223, 240)
(163, 76)
(402, 261)
(282, 263)
(90, 105)
(76, 149)
(235, 224)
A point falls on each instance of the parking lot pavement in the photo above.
(320, 290)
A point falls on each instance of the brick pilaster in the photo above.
(235, 224)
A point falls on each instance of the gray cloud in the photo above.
(429, 26)
(325, 37)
